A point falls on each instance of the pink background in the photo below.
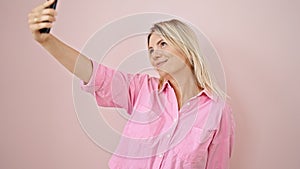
(258, 42)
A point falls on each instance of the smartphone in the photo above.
(47, 30)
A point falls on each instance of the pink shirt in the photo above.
(158, 135)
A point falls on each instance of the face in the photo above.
(165, 57)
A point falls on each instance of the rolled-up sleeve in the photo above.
(220, 150)
(112, 88)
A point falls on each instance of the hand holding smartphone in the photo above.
(53, 6)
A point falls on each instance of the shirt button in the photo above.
(168, 135)
(160, 155)
(188, 103)
(175, 120)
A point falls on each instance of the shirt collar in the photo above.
(204, 91)
(207, 93)
(164, 85)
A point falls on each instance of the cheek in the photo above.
(181, 56)
(178, 63)
(176, 53)
(179, 59)
(183, 59)
(151, 61)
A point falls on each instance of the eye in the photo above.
(150, 51)
(163, 44)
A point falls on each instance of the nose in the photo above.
(156, 54)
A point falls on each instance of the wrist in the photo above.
(46, 40)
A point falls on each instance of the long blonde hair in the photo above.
(185, 39)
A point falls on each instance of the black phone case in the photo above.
(47, 30)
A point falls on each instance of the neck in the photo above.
(184, 84)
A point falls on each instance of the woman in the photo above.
(180, 120)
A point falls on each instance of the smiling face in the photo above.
(182, 59)
(165, 57)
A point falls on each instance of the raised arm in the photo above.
(76, 63)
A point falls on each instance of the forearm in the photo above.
(76, 63)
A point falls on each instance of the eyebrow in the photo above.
(156, 43)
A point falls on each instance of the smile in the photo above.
(158, 64)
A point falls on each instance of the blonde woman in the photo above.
(177, 121)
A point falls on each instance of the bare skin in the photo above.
(173, 66)
(79, 65)
(169, 62)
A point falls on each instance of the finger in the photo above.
(46, 18)
(32, 18)
(49, 11)
(38, 26)
(38, 14)
(44, 5)
(43, 18)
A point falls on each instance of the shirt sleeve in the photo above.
(220, 149)
(112, 88)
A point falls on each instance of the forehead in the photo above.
(154, 38)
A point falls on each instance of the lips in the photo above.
(160, 63)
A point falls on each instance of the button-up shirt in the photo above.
(158, 134)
